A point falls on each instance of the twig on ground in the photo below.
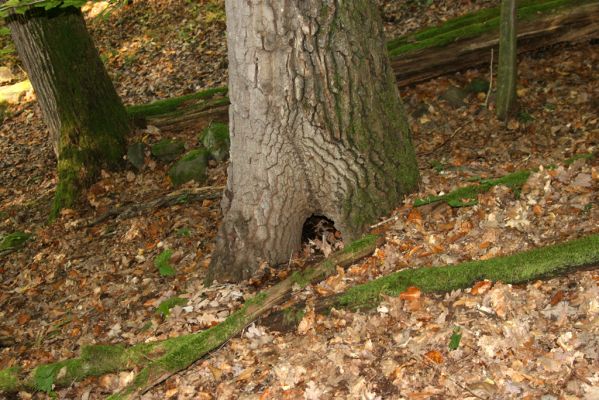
(455, 382)
(439, 147)
(383, 222)
(176, 197)
(490, 81)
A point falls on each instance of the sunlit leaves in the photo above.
(22, 6)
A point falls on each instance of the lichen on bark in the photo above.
(317, 127)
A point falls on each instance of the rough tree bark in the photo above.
(317, 128)
(85, 116)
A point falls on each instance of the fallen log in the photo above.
(531, 265)
(457, 44)
(420, 57)
(159, 360)
(184, 112)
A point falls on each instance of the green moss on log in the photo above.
(472, 25)
(167, 106)
(544, 262)
(300, 279)
(94, 360)
(358, 245)
(467, 196)
(189, 348)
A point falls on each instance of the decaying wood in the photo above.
(569, 25)
(191, 118)
(170, 199)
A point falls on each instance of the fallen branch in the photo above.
(160, 360)
(176, 197)
(539, 263)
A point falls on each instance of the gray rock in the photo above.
(420, 110)
(167, 149)
(135, 154)
(6, 75)
(455, 96)
(191, 166)
(216, 140)
(548, 397)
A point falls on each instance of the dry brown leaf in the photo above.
(434, 356)
(481, 287)
(307, 322)
(411, 293)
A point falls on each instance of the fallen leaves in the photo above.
(70, 287)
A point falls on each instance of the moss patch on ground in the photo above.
(13, 240)
(164, 308)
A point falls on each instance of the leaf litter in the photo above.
(69, 286)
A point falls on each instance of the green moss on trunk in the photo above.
(87, 120)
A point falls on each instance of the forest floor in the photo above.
(72, 285)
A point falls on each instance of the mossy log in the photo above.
(157, 361)
(467, 41)
(457, 44)
(195, 110)
(539, 263)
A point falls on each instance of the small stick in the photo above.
(455, 382)
(490, 81)
(394, 218)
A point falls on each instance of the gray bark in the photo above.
(317, 127)
(507, 72)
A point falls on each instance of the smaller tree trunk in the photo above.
(86, 118)
(508, 70)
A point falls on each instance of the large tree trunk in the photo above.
(317, 128)
(86, 118)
